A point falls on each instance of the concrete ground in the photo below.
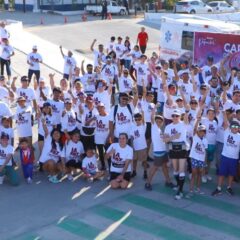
(82, 210)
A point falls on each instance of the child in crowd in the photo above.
(90, 168)
(27, 159)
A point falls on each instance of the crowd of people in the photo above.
(124, 110)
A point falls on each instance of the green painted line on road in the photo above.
(82, 229)
(203, 199)
(140, 224)
(183, 214)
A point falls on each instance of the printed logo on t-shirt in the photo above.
(122, 119)
(54, 152)
(211, 128)
(101, 127)
(74, 152)
(199, 149)
(174, 131)
(230, 141)
(235, 87)
(150, 107)
(54, 108)
(117, 161)
(126, 84)
(2, 154)
(23, 94)
(141, 71)
(69, 62)
(136, 134)
(21, 119)
(71, 120)
(108, 71)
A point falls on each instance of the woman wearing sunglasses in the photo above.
(176, 137)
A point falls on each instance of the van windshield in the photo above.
(187, 40)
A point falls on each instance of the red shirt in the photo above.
(142, 38)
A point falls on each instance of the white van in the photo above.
(177, 34)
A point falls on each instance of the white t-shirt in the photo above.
(142, 73)
(49, 152)
(231, 105)
(187, 89)
(119, 49)
(135, 55)
(138, 134)
(57, 109)
(72, 151)
(206, 72)
(110, 46)
(108, 72)
(167, 109)
(211, 133)
(6, 51)
(8, 131)
(123, 120)
(4, 111)
(147, 108)
(34, 59)
(88, 80)
(119, 157)
(4, 95)
(23, 121)
(27, 93)
(173, 129)
(85, 117)
(157, 139)
(50, 123)
(199, 147)
(69, 62)
(220, 130)
(231, 145)
(125, 84)
(90, 164)
(98, 56)
(68, 121)
(103, 97)
(4, 151)
(102, 129)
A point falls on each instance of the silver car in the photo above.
(192, 7)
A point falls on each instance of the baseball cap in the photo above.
(143, 56)
(201, 128)
(203, 86)
(210, 58)
(179, 98)
(34, 47)
(100, 104)
(123, 94)
(42, 79)
(176, 112)
(4, 135)
(108, 57)
(21, 99)
(158, 117)
(68, 100)
(24, 79)
(234, 124)
(46, 104)
(57, 89)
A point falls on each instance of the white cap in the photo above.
(42, 79)
(34, 47)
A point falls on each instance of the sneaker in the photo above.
(230, 191)
(148, 186)
(134, 174)
(145, 176)
(90, 179)
(101, 178)
(70, 177)
(170, 185)
(209, 178)
(204, 179)
(198, 190)
(178, 196)
(216, 192)
(190, 194)
(29, 180)
(53, 179)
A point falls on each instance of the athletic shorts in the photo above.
(211, 152)
(140, 155)
(178, 154)
(40, 137)
(159, 158)
(148, 130)
(228, 166)
(73, 164)
(114, 175)
(197, 163)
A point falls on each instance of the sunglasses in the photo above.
(193, 103)
(125, 99)
(175, 116)
(179, 100)
(138, 119)
(234, 126)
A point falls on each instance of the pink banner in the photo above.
(218, 46)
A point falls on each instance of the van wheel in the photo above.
(209, 11)
(192, 12)
(122, 12)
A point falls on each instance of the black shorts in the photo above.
(148, 134)
(178, 154)
(40, 137)
(114, 175)
(74, 164)
(122, 62)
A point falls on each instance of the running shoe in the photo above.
(190, 194)
(171, 185)
(209, 178)
(70, 177)
(134, 174)
(216, 192)
(29, 180)
(230, 191)
(53, 179)
(178, 196)
(148, 186)
(145, 176)
(198, 191)
(204, 179)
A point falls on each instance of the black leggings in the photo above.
(101, 151)
(4, 62)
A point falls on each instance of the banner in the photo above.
(218, 46)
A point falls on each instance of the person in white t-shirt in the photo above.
(23, 120)
(99, 55)
(101, 133)
(125, 83)
(6, 52)
(176, 137)
(5, 111)
(69, 63)
(51, 153)
(89, 166)
(230, 156)
(121, 157)
(119, 49)
(7, 129)
(73, 153)
(33, 60)
(198, 157)
(6, 168)
(140, 153)
(110, 45)
(6, 93)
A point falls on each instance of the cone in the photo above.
(109, 17)
(41, 21)
(65, 19)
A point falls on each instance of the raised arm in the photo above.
(92, 45)
(61, 51)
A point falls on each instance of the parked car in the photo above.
(221, 6)
(112, 6)
(192, 7)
